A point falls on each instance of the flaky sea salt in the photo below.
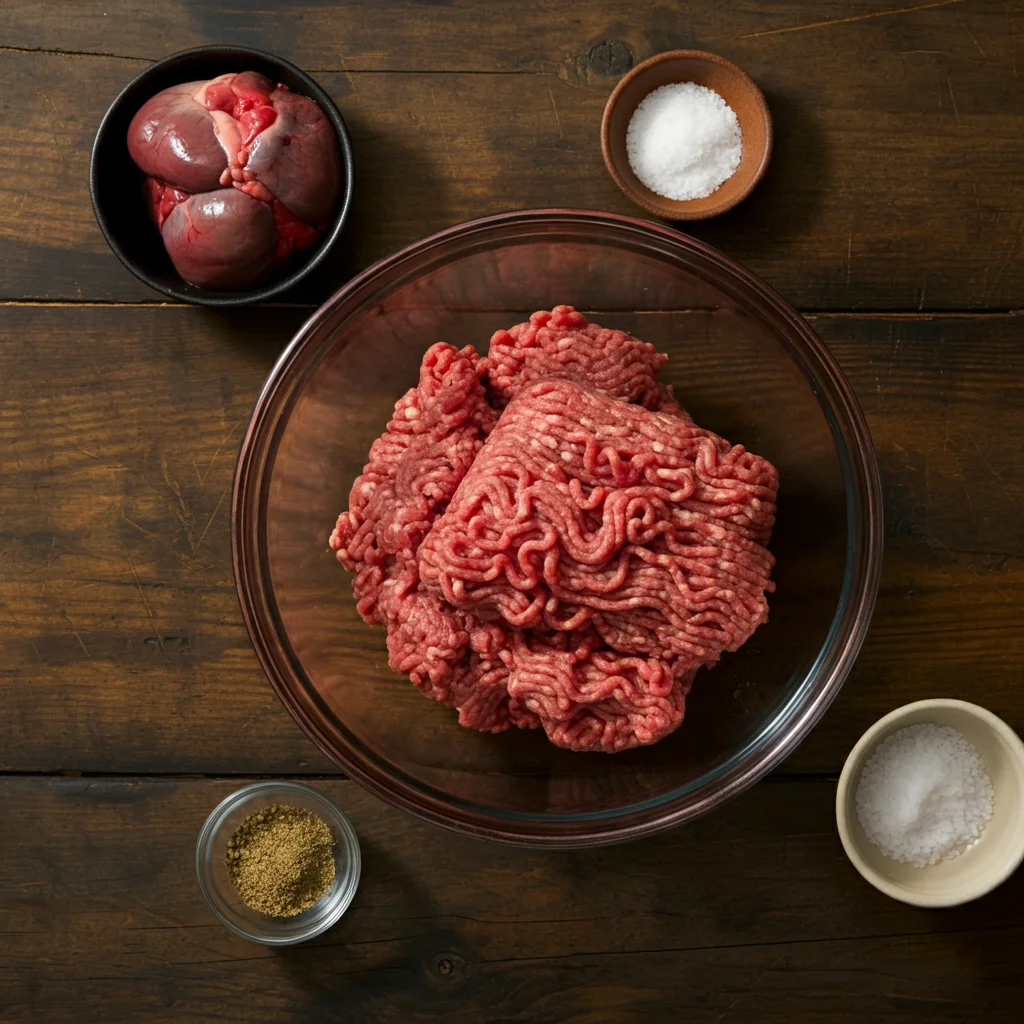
(684, 141)
(924, 795)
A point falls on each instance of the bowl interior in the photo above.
(220, 892)
(733, 85)
(116, 181)
(737, 365)
(998, 850)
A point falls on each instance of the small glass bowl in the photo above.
(220, 893)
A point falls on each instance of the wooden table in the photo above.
(131, 700)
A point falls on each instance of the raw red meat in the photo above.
(223, 238)
(414, 469)
(563, 344)
(583, 511)
(572, 564)
(201, 141)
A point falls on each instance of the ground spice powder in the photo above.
(281, 860)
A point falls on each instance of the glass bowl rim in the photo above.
(344, 834)
(821, 683)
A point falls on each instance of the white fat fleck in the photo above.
(567, 456)
(552, 419)
(412, 413)
(548, 441)
(658, 446)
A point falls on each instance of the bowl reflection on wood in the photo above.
(742, 362)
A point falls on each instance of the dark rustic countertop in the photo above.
(131, 701)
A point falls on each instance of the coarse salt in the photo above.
(924, 795)
(684, 141)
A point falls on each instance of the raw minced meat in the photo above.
(563, 344)
(571, 562)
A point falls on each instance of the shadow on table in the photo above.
(259, 333)
(343, 975)
(999, 909)
(392, 183)
(786, 203)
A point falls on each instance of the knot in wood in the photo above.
(609, 58)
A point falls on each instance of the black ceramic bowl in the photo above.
(115, 183)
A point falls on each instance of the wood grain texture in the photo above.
(600, 36)
(101, 916)
(118, 451)
(123, 646)
(895, 182)
(895, 186)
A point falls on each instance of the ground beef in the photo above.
(571, 564)
(415, 467)
(563, 344)
(580, 510)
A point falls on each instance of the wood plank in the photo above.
(894, 183)
(943, 400)
(118, 453)
(600, 36)
(123, 647)
(753, 911)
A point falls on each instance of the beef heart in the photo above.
(240, 174)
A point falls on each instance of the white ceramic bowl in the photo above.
(997, 853)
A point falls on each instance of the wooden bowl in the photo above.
(735, 86)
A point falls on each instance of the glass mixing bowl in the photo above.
(742, 362)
